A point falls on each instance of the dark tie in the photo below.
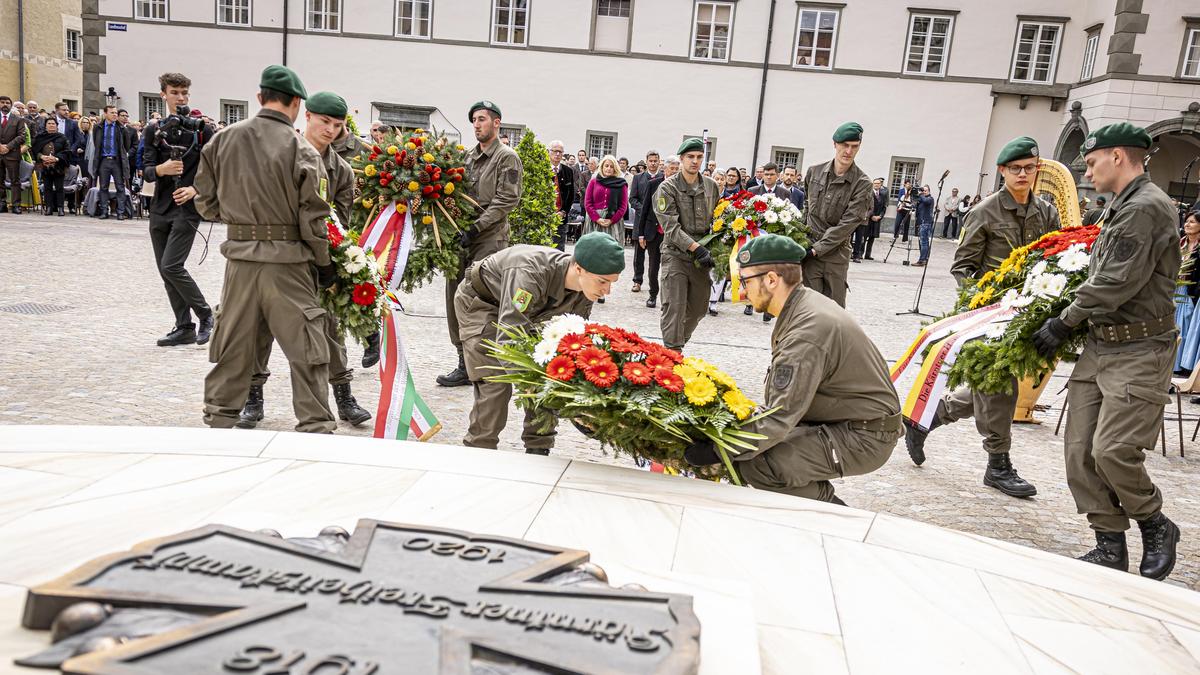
(4, 123)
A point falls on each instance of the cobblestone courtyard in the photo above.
(95, 362)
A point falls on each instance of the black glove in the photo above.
(703, 258)
(1050, 337)
(809, 252)
(582, 429)
(701, 453)
(465, 237)
(327, 275)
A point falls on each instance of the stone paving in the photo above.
(96, 363)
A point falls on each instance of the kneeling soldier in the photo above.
(519, 287)
(838, 414)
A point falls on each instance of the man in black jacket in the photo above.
(564, 191)
(131, 142)
(111, 162)
(639, 199)
(868, 232)
(770, 183)
(171, 163)
(648, 230)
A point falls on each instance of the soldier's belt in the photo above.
(263, 232)
(891, 423)
(481, 289)
(1129, 332)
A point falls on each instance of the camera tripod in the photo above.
(916, 308)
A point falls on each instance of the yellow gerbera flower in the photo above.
(700, 391)
(721, 206)
(686, 372)
(738, 404)
(718, 224)
(739, 224)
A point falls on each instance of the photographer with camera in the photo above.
(170, 157)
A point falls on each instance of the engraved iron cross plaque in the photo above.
(397, 599)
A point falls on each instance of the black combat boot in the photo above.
(544, 452)
(371, 353)
(1110, 551)
(179, 336)
(1001, 475)
(1159, 537)
(204, 331)
(914, 438)
(348, 408)
(458, 376)
(252, 412)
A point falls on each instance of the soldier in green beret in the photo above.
(838, 414)
(1119, 384)
(838, 199)
(269, 187)
(684, 205)
(494, 171)
(1004, 220)
(325, 120)
(522, 286)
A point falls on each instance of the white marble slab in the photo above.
(40, 546)
(160, 440)
(92, 465)
(786, 650)
(1021, 599)
(481, 505)
(419, 456)
(804, 514)
(15, 641)
(305, 497)
(1190, 639)
(617, 530)
(23, 491)
(1090, 649)
(785, 568)
(901, 613)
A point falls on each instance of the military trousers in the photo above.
(804, 463)
(684, 289)
(283, 297)
(489, 411)
(476, 251)
(828, 277)
(1115, 406)
(993, 415)
(340, 371)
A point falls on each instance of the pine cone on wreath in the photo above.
(410, 162)
(423, 178)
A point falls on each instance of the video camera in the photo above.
(176, 127)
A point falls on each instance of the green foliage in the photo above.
(351, 125)
(535, 220)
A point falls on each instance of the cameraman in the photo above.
(170, 157)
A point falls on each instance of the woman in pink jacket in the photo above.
(606, 199)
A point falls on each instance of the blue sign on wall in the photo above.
(119, 27)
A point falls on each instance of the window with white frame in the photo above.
(233, 12)
(413, 17)
(1191, 54)
(151, 103)
(600, 143)
(1089, 55)
(904, 169)
(74, 46)
(928, 44)
(510, 22)
(785, 157)
(816, 38)
(150, 10)
(1036, 53)
(324, 16)
(514, 133)
(614, 8)
(711, 28)
(233, 112)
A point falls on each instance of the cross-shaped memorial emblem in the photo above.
(397, 599)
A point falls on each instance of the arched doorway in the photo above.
(1074, 132)
(1175, 164)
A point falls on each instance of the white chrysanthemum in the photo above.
(995, 331)
(1074, 259)
(565, 325)
(356, 260)
(544, 351)
(1006, 302)
(771, 217)
(1038, 269)
(1022, 301)
(759, 198)
(1049, 285)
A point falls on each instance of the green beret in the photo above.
(599, 253)
(690, 145)
(1119, 135)
(484, 105)
(327, 103)
(769, 249)
(1018, 148)
(282, 79)
(850, 131)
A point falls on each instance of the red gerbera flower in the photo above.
(592, 357)
(620, 344)
(560, 368)
(364, 294)
(760, 206)
(573, 343)
(638, 373)
(335, 237)
(668, 380)
(655, 360)
(604, 375)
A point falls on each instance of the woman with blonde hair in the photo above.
(607, 199)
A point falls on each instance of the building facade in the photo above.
(937, 89)
(41, 51)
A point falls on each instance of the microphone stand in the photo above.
(916, 308)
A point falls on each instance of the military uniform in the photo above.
(519, 286)
(838, 414)
(267, 184)
(836, 206)
(685, 212)
(495, 175)
(348, 147)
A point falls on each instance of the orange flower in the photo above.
(591, 357)
(573, 344)
(668, 380)
(638, 373)
(603, 375)
(560, 368)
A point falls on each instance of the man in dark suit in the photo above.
(67, 126)
(111, 161)
(791, 181)
(770, 183)
(639, 197)
(564, 192)
(648, 230)
(12, 146)
(866, 234)
(131, 141)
